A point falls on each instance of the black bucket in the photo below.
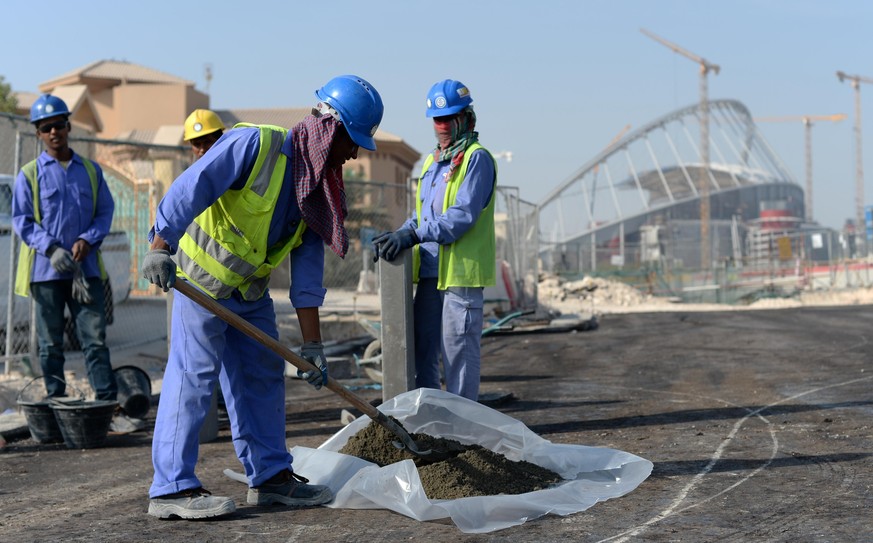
(134, 391)
(40, 418)
(41, 422)
(84, 424)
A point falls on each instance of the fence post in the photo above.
(398, 341)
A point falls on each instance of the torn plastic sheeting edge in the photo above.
(591, 474)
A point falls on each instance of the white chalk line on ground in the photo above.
(673, 508)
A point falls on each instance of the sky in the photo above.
(553, 82)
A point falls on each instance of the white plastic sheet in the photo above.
(591, 474)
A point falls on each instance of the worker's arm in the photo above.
(310, 325)
(312, 349)
(307, 295)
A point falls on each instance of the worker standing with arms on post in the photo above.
(258, 194)
(62, 210)
(452, 233)
(202, 129)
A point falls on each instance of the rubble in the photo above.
(599, 296)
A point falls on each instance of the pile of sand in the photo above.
(459, 471)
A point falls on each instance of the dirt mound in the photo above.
(469, 470)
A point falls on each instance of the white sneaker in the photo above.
(191, 504)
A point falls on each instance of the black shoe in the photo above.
(288, 488)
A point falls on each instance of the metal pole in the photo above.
(830, 261)
(808, 150)
(10, 294)
(705, 253)
(621, 243)
(859, 169)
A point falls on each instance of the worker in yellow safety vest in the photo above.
(260, 193)
(62, 210)
(452, 236)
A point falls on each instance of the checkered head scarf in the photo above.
(320, 191)
(454, 136)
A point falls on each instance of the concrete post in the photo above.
(398, 343)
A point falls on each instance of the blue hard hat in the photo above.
(358, 105)
(447, 98)
(47, 106)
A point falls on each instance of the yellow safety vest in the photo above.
(26, 254)
(470, 260)
(225, 248)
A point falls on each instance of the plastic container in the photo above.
(84, 424)
(134, 391)
(40, 417)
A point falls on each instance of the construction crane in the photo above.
(807, 121)
(856, 81)
(703, 181)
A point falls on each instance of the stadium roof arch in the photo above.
(656, 170)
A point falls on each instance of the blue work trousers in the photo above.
(51, 297)
(204, 350)
(449, 323)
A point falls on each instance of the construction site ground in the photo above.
(759, 425)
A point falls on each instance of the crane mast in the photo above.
(856, 81)
(808, 121)
(703, 175)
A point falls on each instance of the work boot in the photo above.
(288, 488)
(125, 424)
(190, 504)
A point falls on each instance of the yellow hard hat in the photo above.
(200, 123)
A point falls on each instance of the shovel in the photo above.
(406, 441)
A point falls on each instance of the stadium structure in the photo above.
(638, 203)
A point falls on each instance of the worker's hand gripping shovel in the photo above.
(301, 363)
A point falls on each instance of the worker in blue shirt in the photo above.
(451, 232)
(259, 193)
(62, 210)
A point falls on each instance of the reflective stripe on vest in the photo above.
(225, 248)
(26, 254)
(461, 263)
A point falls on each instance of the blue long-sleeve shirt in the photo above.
(437, 228)
(67, 213)
(227, 166)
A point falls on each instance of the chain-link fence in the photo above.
(516, 227)
(137, 175)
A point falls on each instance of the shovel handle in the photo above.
(264, 339)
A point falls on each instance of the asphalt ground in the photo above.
(759, 424)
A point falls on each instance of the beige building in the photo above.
(124, 101)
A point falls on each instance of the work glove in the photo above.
(80, 287)
(313, 352)
(390, 244)
(62, 259)
(159, 268)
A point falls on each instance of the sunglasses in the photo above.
(58, 125)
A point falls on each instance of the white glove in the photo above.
(62, 260)
(80, 287)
